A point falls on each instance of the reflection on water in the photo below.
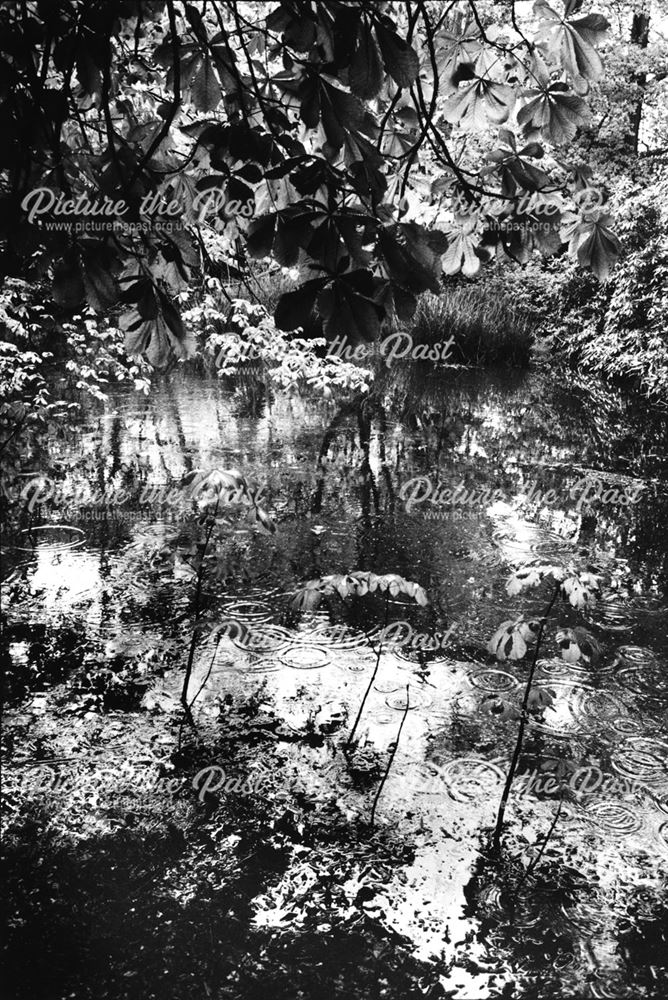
(539, 472)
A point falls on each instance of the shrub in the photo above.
(622, 333)
(242, 337)
(615, 329)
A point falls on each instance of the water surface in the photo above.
(98, 577)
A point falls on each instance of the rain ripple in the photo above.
(594, 707)
(626, 726)
(494, 681)
(641, 671)
(270, 638)
(560, 668)
(51, 538)
(614, 616)
(565, 716)
(588, 915)
(470, 779)
(615, 818)
(340, 637)
(302, 657)
(249, 611)
(416, 699)
(642, 759)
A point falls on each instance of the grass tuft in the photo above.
(487, 330)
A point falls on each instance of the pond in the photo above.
(237, 857)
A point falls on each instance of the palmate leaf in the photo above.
(159, 339)
(360, 582)
(229, 143)
(349, 308)
(341, 234)
(308, 597)
(401, 60)
(478, 103)
(572, 39)
(598, 248)
(411, 255)
(509, 642)
(226, 486)
(526, 577)
(396, 142)
(577, 644)
(592, 241)
(217, 481)
(280, 234)
(294, 308)
(461, 253)
(357, 583)
(581, 589)
(555, 111)
(454, 49)
(205, 88)
(365, 75)
(333, 58)
(223, 61)
(324, 100)
(514, 164)
(342, 113)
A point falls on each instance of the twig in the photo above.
(349, 741)
(513, 15)
(193, 641)
(208, 674)
(434, 98)
(547, 837)
(392, 756)
(523, 720)
(176, 99)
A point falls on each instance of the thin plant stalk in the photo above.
(198, 608)
(523, 721)
(349, 741)
(208, 674)
(392, 756)
(547, 837)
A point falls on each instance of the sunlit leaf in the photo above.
(577, 644)
(527, 576)
(555, 111)
(509, 642)
(573, 38)
(478, 103)
(581, 589)
(461, 253)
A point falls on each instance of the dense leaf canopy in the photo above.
(374, 146)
